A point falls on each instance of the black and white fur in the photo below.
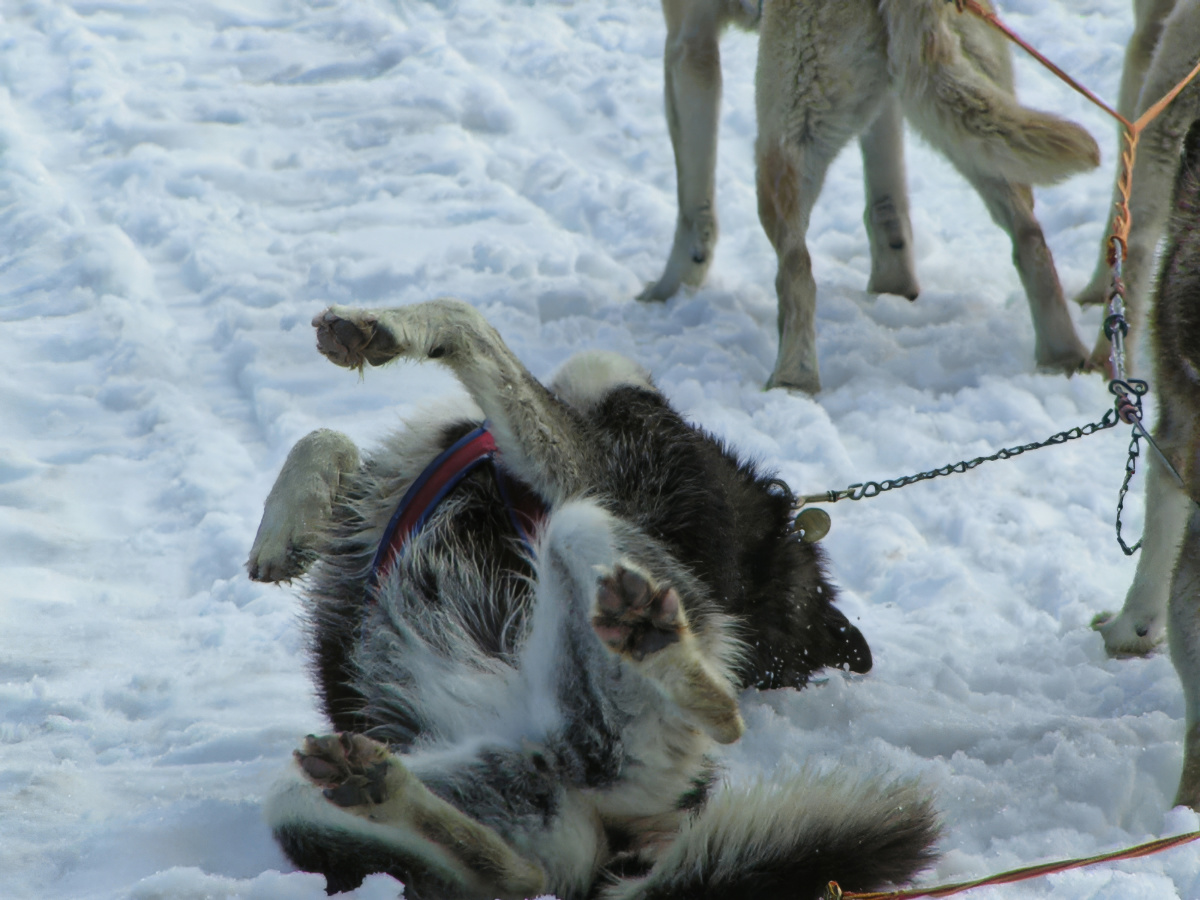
(514, 724)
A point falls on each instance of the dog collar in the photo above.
(474, 449)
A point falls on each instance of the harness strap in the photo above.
(474, 449)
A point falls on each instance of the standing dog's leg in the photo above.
(822, 75)
(1142, 623)
(692, 72)
(1153, 172)
(888, 227)
(544, 442)
(789, 180)
(300, 505)
(1176, 333)
(1148, 16)
(1185, 653)
(1057, 346)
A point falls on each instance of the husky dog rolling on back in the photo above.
(526, 719)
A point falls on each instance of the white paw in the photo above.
(282, 551)
(1126, 635)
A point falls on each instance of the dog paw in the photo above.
(352, 337)
(691, 255)
(635, 617)
(351, 768)
(1126, 637)
(275, 561)
(1067, 356)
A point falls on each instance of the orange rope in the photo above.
(834, 892)
(1131, 130)
(992, 19)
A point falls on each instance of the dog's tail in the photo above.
(789, 839)
(954, 74)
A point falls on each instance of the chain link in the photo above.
(875, 488)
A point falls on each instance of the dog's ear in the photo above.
(850, 648)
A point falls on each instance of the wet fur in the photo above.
(513, 725)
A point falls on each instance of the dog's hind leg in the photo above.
(692, 92)
(888, 227)
(543, 440)
(300, 505)
(428, 842)
(1057, 346)
(1148, 18)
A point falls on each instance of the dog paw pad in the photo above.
(634, 616)
(351, 768)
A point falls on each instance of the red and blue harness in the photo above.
(474, 449)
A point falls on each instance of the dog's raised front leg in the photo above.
(543, 441)
(300, 505)
(692, 82)
(646, 623)
(1142, 623)
(888, 227)
(1057, 346)
(618, 601)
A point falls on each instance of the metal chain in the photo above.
(875, 488)
(1130, 468)
(1129, 409)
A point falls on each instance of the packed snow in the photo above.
(184, 184)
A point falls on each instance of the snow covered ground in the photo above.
(184, 184)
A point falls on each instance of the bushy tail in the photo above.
(955, 81)
(790, 839)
